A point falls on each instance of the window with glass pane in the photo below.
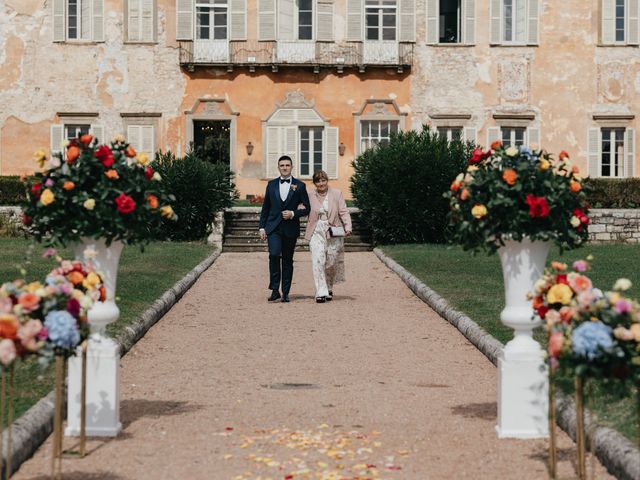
(79, 19)
(305, 19)
(310, 150)
(513, 136)
(620, 20)
(451, 133)
(514, 16)
(75, 130)
(450, 17)
(373, 132)
(211, 19)
(612, 152)
(380, 19)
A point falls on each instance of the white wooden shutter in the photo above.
(98, 132)
(324, 22)
(493, 134)
(520, 23)
(632, 22)
(286, 10)
(469, 134)
(59, 20)
(289, 142)
(533, 137)
(86, 18)
(608, 21)
(533, 22)
(433, 36)
(184, 19)
(469, 22)
(133, 20)
(238, 19)
(272, 151)
(266, 19)
(56, 137)
(330, 143)
(594, 142)
(98, 20)
(407, 20)
(147, 140)
(496, 21)
(630, 152)
(354, 20)
(148, 23)
(134, 136)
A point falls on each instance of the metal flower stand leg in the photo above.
(580, 433)
(56, 457)
(553, 460)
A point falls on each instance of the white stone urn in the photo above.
(522, 379)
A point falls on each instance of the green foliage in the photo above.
(201, 189)
(12, 190)
(97, 191)
(515, 193)
(398, 186)
(613, 192)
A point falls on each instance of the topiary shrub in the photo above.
(13, 190)
(201, 189)
(613, 192)
(399, 186)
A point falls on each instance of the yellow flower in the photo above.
(156, 176)
(635, 329)
(40, 157)
(143, 159)
(472, 168)
(89, 204)
(119, 138)
(512, 151)
(91, 281)
(479, 211)
(47, 197)
(33, 286)
(166, 211)
(544, 164)
(560, 293)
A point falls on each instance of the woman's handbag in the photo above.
(336, 231)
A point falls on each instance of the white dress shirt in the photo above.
(284, 188)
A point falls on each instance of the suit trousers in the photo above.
(281, 248)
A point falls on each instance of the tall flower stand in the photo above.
(522, 377)
(102, 408)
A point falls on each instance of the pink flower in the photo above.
(556, 341)
(580, 266)
(28, 334)
(580, 283)
(6, 305)
(44, 333)
(49, 183)
(623, 306)
(49, 252)
(585, 298)
(552, 317)
(7, 352)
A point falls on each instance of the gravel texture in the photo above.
(372, 385)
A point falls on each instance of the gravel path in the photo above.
(371, 385)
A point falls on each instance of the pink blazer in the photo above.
(338, 213)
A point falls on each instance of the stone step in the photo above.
(254, 232)
(243, 247)
(250, 240)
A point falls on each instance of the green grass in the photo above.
(142, 278)
(473, 284)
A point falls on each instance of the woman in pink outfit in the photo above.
(328, 209)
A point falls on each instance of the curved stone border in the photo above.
(619, 455)
(32, 428)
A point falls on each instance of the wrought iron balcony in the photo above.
(254, 54)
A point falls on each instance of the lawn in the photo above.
(142, 278)
(473, 284)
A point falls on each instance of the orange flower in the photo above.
(575, 187)
(563, 154)
(8, 326)
(464, 194)
(537, 302)
(29, 301)
(455, 185)
(75, 277)
(510, 176)
(130, 152)
(73, 153)
(112, 174)
(559, 266)
(495, 145)
(153, 201)
(68, 185)
(86, 138)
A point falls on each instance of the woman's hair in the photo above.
(320, 175)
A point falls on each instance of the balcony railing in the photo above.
(253, 53)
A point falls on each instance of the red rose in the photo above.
(581, 216)
(125, 203)
(538, 206)
(73, 307)
(105, 155)
(36, 189)
(562, 278)
(476, 157)
(148, 172)
(26, 220)
(542, 311)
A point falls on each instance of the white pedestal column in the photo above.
(103, 390)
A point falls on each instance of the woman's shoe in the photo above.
(329, 297)
(320, 299)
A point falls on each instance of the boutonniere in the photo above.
(294, 187)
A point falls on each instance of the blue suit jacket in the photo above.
(273, 206)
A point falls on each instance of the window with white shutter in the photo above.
(267, 20)
(238, 19)
(514, 21)
(324, 21)
(184, 19)
(452, 134)
(141, 20)
(451, 21)
(211, 19)
(78, 20)
(142, 138)
(380, 20)
(620, 22)
(407, 20)
(354, 20)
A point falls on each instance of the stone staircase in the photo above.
(241, 232)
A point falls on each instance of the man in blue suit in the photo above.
(280, 226)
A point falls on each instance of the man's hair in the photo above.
(285, 157)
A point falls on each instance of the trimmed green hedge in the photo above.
(613, 192)
(12, 190)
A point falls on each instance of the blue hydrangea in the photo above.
(590, 338)
(525, 151)
(62, 329)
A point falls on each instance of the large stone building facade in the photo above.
(320, 80)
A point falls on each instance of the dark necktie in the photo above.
(283, 180)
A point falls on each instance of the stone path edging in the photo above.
(32, 429)
(618, 454)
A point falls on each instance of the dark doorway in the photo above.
(212, 140)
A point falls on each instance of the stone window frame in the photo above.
(607, 30)
(594, 136)
(74, 118)
(468, 24)
(532, 10)
(143, 119)
(60, 16)
(527, 120)
(371, 111)
(456, 120)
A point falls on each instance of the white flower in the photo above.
(119, 138)
(575, 222)
(156, 177)
(89, 204)
(512, 151)
(52, 163)
(86, 302)
(539, 285)
(622, 284)
(65, 143)
(89, 253)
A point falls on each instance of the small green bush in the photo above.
(399, 186)
(12, 190)
(613, 192)
(201, 189)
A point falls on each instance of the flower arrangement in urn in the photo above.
(517, 192)
(96, 191)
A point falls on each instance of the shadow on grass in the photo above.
(133, 410)
(483, 411)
